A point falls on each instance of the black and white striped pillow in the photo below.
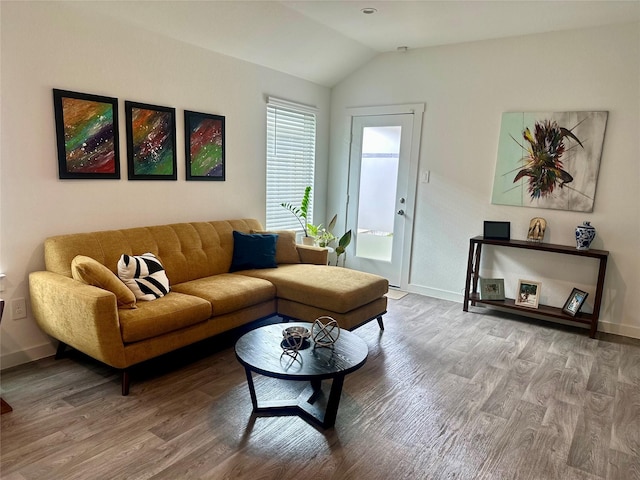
(144, 275)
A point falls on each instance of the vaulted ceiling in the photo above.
(324, 41)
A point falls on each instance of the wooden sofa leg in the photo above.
(125, 382)
(60, 351)
(380, 322)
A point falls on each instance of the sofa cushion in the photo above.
(227, 292)
(167, 314)
(144, 275)
(286, 250)
(332, 288)
(87, 270)
(253, 250)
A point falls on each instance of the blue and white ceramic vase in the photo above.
(585, 234)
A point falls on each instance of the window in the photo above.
(291, 153)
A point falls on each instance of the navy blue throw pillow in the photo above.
(256, 250)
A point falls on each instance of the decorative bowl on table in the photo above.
(296, 331)
(295, 338)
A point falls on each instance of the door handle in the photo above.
(400, 212)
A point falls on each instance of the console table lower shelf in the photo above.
(543, 310)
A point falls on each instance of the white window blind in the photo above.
(291, 153)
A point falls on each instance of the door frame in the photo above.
(417, 109)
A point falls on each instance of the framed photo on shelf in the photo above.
(528, 293)
(87, 135)
(574, 302)
(491, 288)
(204, 146)
(151, 141)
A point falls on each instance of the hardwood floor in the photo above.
(444, 395)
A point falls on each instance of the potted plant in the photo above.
(324, 237)
(301, 214)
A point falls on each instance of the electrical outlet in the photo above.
(18, 308)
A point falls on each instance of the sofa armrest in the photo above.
(314, 255)
(82, 316)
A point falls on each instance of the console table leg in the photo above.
(467, 284)
(594, 329)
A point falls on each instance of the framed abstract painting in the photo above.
(151, 141)
(204, 146)
(549, 159)
(87, 135)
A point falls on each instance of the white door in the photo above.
(379, 189)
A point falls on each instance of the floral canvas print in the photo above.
(549, 160)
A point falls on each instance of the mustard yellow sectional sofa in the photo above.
(85, 308)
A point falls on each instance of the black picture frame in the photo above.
(497, 230)
(574, 303)
(151, 141)
(204, 146)
(87, 135)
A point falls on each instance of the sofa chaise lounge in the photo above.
(204, 300)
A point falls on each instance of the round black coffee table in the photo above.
(260, 351)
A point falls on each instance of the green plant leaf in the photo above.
(304, 205)
(332, 223)
(344, 241)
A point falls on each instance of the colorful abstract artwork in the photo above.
(549, 160)
(151, 141)
(204, 141)
(87, 135)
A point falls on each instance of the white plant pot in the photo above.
(308, 241)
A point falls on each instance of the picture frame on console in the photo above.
(574, 303)
(151, 141)
(528, 293)
(491, 288)
(87, 135)
(204, 146)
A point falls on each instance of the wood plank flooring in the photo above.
(444, 395)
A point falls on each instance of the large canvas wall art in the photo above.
(87, 135)
(151, 141)
(549, 160)
(204, 146)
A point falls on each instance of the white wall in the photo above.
(48, 45)
(466, 88)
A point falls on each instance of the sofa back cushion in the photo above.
(186, 250)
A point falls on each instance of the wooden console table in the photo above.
(471, 294)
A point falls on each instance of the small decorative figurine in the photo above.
(325, 335)
(537, 227)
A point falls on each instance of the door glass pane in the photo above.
(377, 200)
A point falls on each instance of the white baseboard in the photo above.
(607, 327)
(25, 356)
(617, 329)
(435, 293)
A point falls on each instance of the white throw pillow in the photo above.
(144, 275)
